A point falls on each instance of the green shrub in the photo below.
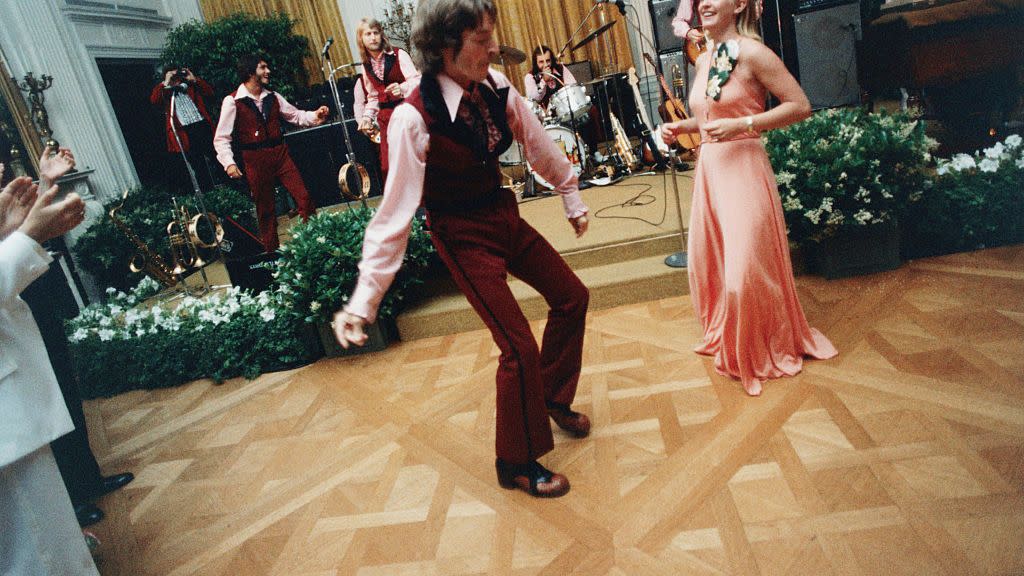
(211, 50)
(318, 268)
(846, 168)
(974, 201)
(125, 345)
(104, 251)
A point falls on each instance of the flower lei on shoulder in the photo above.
(721, 67)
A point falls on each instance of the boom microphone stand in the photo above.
(325, 65)
(197, 193)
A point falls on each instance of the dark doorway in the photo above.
(128, 83)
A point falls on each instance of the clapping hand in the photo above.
(53, 166)
(16, 200)
(48, 219)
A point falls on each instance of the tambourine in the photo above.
(344, 175)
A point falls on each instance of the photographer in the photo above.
(192, 123)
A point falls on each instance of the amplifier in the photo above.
(809, 5)
(662, 13)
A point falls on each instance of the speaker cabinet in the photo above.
(826, 44)
(581, 71)
(662, 13)
(319, 153)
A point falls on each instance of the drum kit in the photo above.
(569, 108)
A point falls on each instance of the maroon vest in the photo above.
(392, 75)
(252, 130)
(461, 175)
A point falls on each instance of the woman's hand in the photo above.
(668, 132)
(723, 129)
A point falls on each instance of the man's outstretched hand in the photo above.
(348, 329)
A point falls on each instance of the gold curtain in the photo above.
(317, 21)
(524, 24)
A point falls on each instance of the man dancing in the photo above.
(388, 76)
(446, 140)
(251, 117)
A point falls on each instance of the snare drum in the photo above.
(570, 102)
(566, 142)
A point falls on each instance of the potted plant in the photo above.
(318, 269)
(845, 176)
(974, 201)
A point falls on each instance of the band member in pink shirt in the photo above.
(251, 117)
(388, 76)
(546, 76)
(445, 143)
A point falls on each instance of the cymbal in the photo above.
(508, 55)
(586, 40)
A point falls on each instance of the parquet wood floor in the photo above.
(904, 455)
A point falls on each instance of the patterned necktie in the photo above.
(473, 110)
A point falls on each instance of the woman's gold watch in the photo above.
(750, 124)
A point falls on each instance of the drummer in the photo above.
(546, 77)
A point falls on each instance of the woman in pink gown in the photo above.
(741, 280)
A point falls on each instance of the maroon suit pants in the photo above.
(264, 168)
(481, 248)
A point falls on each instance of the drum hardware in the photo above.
(507, 55)
(353, 179)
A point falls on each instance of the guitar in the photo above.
(650, 152)
(673, 111)
(695, 49)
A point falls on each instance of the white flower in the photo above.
(733, 48)
(79, 335)
(784, 178)
(723, 63)
(1013, 141)
(111, 290)
(942, 170)
(862, 216)
(1020, 162)
(988, 165)
(962, 162)
(996, 151)
(314, 306)
(105, 334)
(268, 314)
(842, 176)
(714, 86)
(813, 215)
(792, 203)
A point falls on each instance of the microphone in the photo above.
(327, 46)
(620, 4)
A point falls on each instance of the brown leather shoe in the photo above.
(575, 423)
(531, 478)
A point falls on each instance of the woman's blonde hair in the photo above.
(746, 21)
(370, 24)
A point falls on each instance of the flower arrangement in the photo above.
(123, 344)
(318, 268)
(847, 167)
(974, 201)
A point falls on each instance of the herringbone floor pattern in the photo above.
(904, 455)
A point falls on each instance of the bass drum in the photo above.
(567, 143)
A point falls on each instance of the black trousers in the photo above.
(201, 156)
(52, 303)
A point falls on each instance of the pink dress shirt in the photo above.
(412, 80)
(537, 92)
(226, 124)
(387, 234)
(358, 99)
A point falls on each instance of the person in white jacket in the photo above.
(39, 534)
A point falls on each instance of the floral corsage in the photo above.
(721, 67)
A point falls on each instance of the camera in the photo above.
(180, 75)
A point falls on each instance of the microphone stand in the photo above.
(197, 193)
(325, 65)
(679, 259)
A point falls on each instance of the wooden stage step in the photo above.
(620, 259)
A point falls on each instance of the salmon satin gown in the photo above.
(741, 279)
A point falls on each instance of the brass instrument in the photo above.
(144, 260)
(677, 82)
(623, 147)
(186, 242)
(183, 251)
